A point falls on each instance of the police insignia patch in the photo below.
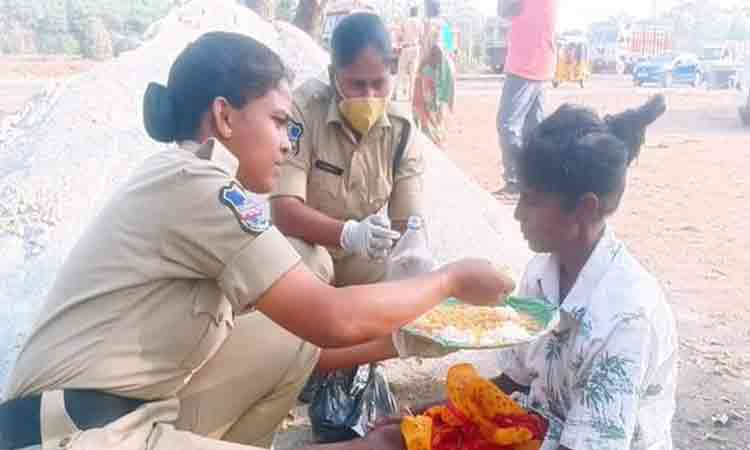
(295, 131)
(250, 212)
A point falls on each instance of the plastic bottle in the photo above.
(411, 255)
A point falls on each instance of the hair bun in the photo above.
(159, 116)
(652, 109)
(630, 125)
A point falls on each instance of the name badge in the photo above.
(328, 167)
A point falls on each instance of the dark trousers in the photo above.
(521, 109)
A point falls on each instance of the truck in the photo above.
(496, 43)
(619, 48)
(645, 40)
(720, 66)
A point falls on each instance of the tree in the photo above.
(740, 29)
(264, 8)
(309, 16)
(96, 42)
(285, 10)
(698, 23)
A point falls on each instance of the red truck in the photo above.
(643, 41)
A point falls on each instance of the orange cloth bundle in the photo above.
(478, 416)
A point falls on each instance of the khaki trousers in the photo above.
(344, 271)
(240, 396)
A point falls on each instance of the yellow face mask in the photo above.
(362, 113)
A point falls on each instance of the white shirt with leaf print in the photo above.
(605, 378)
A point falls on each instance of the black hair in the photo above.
(217, 64)
(355, 33)
(414, 11)
(574, 152)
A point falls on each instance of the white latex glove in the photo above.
(372, 237)
(408, 346)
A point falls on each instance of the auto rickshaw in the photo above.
(573, 63)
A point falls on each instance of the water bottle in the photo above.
(411, 255)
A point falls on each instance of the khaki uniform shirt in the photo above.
(334, 173)
(150, 291)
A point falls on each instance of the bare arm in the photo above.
(334, 318)
(373, 351)
(295, 219)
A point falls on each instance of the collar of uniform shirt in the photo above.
(601, 259)
(213, 150)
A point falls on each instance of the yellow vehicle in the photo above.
(573, 63)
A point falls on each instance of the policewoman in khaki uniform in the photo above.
(357, 161)
(183, 319)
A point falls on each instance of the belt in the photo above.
(20, 421)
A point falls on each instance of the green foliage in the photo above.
(740, 29)
(285, 10)
(61, 43)
(697, 24)
(56, 24)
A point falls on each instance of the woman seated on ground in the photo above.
(605, 378)
(183, 319)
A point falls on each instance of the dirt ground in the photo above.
(684, 215)
(23, 76)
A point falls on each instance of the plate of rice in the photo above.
(457, 325)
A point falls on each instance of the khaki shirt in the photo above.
(342, 177)
(150, 291)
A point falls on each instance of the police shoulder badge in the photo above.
(295, 131)
(251, 212)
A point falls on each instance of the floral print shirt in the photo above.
(605, 378)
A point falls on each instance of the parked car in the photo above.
(631, 62)
(670, 69)
(720, 67)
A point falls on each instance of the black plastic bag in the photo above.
(349, 401)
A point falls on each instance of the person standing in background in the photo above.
(529, 64)
(408, 61)
(434, 94)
